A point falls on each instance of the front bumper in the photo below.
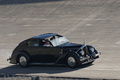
(88, 59)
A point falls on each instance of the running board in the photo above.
(42, 63)
(46, 64)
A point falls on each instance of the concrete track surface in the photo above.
(97, 22)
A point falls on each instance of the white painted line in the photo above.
(44, 28)
(4, 44)
(93, 41)
(118, 42)
(83, 33)
(5, 19)
(34, 19)
(101, 69)
(88, 24)
(26, 25)
(111, 46)
(39, 19)
(65, 19)
(12, 34)
(115, 46)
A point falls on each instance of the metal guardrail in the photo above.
(26, 77)
(14, 77)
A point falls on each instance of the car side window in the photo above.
(33, 43)
(42, 42)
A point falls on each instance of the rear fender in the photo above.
(22, 53)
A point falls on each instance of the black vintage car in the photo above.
(52, 49)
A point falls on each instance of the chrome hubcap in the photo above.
(71, 61)
(23, 61)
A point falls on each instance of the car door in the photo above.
(49, 54)
(33, 49)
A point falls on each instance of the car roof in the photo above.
(44, 36)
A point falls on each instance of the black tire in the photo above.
(71, 61)
(23, 61)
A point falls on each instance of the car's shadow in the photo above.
(14, 69)
(12, 2)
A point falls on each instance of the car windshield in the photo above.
(59, 41)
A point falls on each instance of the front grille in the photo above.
(85, 49)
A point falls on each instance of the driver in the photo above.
(47, 43)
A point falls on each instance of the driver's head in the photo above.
(46, 41)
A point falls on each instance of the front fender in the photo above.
(62, 58)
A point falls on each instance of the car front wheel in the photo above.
(23, 61)
(71, 61)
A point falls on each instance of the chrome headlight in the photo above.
(82, 52)
(92, 49)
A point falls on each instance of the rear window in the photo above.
(33, 43)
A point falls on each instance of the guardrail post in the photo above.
(35, 78)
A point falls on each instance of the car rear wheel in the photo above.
(71, 61)
(23, 61)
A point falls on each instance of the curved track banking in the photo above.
(93, 21)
